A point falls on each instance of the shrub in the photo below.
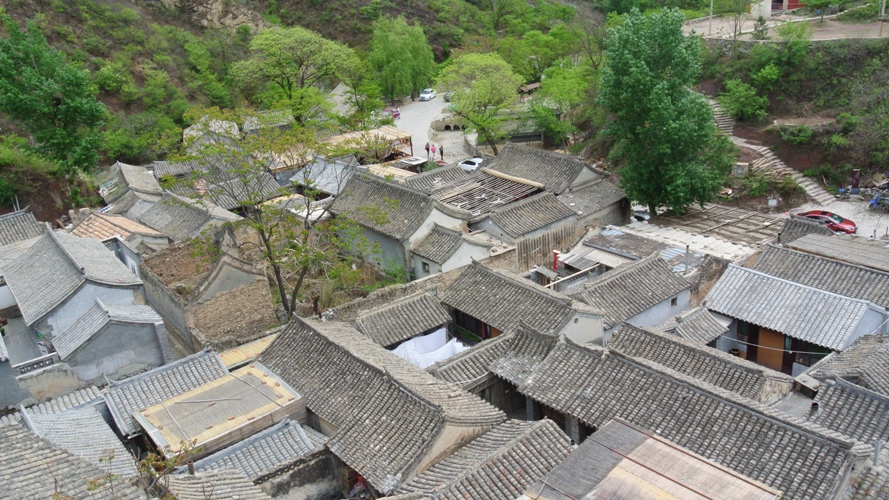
(800, 134)
(740, 101)
(766, 77)
(112, 77)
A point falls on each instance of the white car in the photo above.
(428, 94)
(471, 164)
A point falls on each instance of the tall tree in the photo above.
(486, 90)
(665, 131)
(52, 100)
(291, 59)
(401, 57)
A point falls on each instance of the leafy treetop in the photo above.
(665, 131)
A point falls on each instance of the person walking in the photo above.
(433, 151)
(427, 150)
(441, 151)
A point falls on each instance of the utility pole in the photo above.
(882, 16)
(710, 21)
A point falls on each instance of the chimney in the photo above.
(191, 467)
(877, 444)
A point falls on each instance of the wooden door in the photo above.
(771, 351)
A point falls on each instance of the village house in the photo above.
(699, 326)
(865, 363)
(18, 231)
(79, 398)
(129, 190)
(487, 303)
(387, 419)
(643, 293)
(498, 464)
(857, 250)
(201, 294)
(795, 228)
(625, 461)
(403, 319)
(494, 369)
(128, 239)
(830, 275)
(555, 172)
(37, 468)
(223, 483)
(84, 433)
(65, 288)
(443, 250)
(391, 217)
(182, 219)
(703, 363)
(324, 177)
(284, 458)
(220, 412)
(788, 326)
(587, 386)
(128, 396)
(600, 204)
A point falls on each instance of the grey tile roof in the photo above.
(590, 199)
(438, 245)
(825, 274)
(701, 362)
(268, 118)
(865, 362)
(499, 464)
(237, 191)
(512, 356)
(388, 412)
(176, 169)
(32, 467)
(83, 432)
(431, 180)
(146, 389)
(633, 288)
(56, 266)
(19, 226)
(796, 227)
(267, 453)
(139, 179)
(852, 410)
(531, 214)
(132, 205)
(556, 172)
(801, 459)
(224, 484)
(403, 319)
(871, 483)
(799, 311)
(326, 175)
(175, 217)
(388, 208)
(856, 250)
(73, 399)
(504, 301)
(95, 318)
(700, 326)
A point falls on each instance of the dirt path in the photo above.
(830, 29)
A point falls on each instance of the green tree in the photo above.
(291, 59)
(821, 5)
(486, 92)
(52, 100)
(401, 57)
(740, 101)
(561, 94)
(664, 130)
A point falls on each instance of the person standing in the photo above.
(433, 151)
(427, 150)
(441, 151)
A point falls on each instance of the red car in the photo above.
(833, 221)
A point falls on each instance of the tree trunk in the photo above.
(279, 278)
(652, 210)
(296, 287)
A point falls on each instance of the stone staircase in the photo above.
(724, 122)
(771, 166)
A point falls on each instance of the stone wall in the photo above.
(311, 479)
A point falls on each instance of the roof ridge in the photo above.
(771, 247)
(18, 213)
(164, 368)
(622, 270)
(835, 382)
(747, 366)
(397, 302)
(58, 243)
(527, 201)
(544, 292)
